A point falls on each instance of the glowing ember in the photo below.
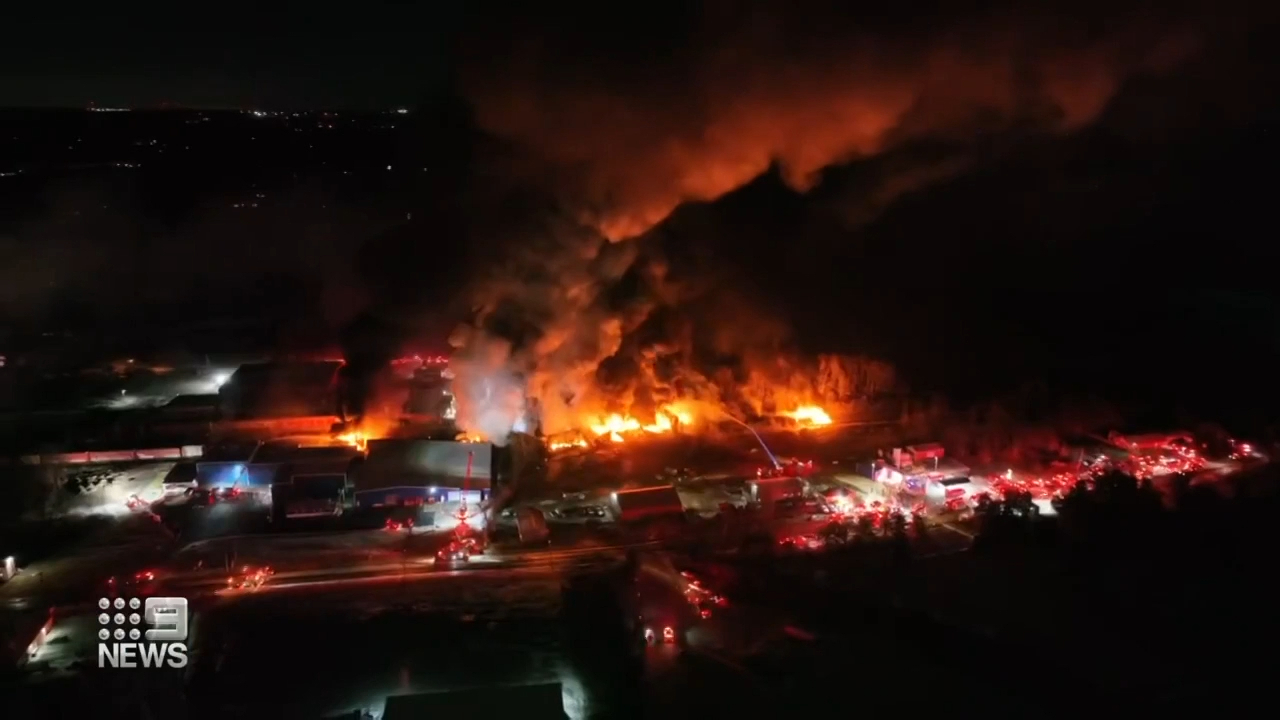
(810, 415)
(567, 444)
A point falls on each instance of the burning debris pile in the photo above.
(495, 401)
(596, 341)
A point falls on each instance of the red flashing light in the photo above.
(668, 634)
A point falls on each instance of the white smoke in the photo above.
(490, 397)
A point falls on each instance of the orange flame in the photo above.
(567, 444)
(810, 416)
(370, 428)
(357, 440)
(616, 425)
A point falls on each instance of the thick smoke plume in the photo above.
(625, 142)
(802, 92)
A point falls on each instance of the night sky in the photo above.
(1022, 191)
(373, 55)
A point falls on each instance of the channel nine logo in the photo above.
(124, 643)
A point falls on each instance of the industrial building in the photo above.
(226, 465)
(272, 390)
(258, 465)
(311, 481)
(416, 472)
(430, 394)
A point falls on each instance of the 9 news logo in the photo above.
(123, 643)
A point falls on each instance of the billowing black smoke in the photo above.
(369, 343)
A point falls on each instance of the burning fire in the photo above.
(615, 426)
(810, 416)
(357, 440)
(370, 428)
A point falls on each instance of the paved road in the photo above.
(421, 572)
(381, 569)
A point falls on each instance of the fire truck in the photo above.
(923, 473)
(657, 598)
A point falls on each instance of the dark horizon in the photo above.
(1045, 200)
(195, 108)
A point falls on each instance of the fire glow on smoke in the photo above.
(622, 145)
(586, 329)
(591, 327)
(499, 393)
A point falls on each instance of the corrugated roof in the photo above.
(229, 452)
(291, 451)
(400, 462)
